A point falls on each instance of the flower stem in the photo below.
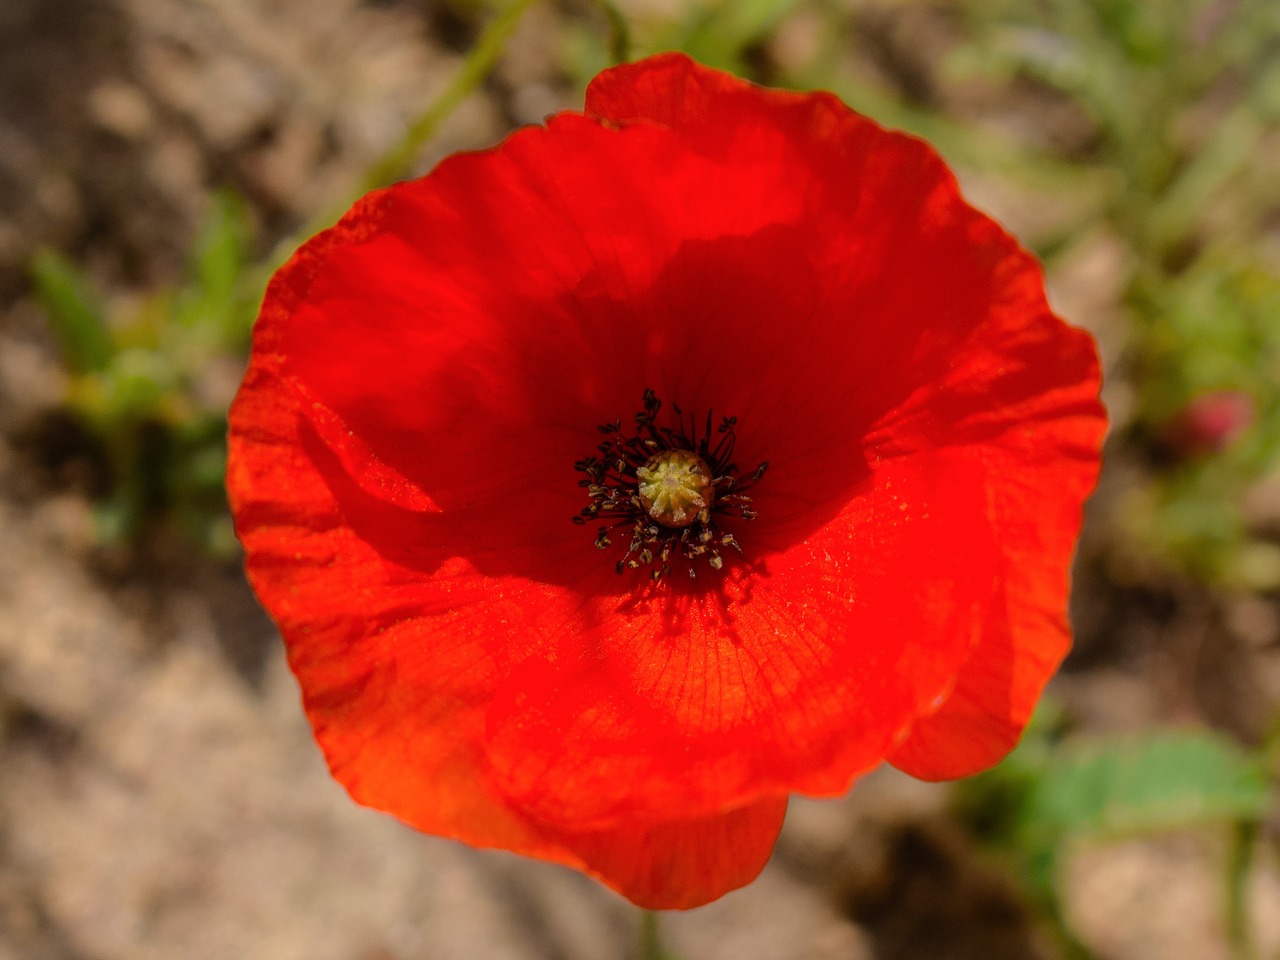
(651, 947)
(619, 32)
(1244, 835)
(398, 161)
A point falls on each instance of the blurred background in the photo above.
(160, 796)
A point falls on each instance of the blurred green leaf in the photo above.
(75, 311)
(1049, 793)
(222, 249)
(217, 302)
(1167, 780)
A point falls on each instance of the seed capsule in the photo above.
(675, 487)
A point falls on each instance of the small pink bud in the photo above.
(1209, 423)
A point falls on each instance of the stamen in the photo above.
(670, 487)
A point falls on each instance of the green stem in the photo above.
(1243, 843)
(619, 32)
(399, 160)
(651, 947)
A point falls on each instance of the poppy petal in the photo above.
(1028, 635)
(683, 863)
(312, 565)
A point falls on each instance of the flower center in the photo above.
(675, 486)
(670, 486)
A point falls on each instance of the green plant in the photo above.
(152, 382)
(1053, 793)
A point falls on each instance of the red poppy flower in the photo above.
(447, 378)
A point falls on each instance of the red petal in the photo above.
(684, 863)
(348, 615)
(1047, 444)
(717, 112)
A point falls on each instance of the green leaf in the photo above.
(1128, 786)
(75, 311)
(222, 248)
(1231, 148)
(216, 301)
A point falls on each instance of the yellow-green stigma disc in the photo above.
(675, 487)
